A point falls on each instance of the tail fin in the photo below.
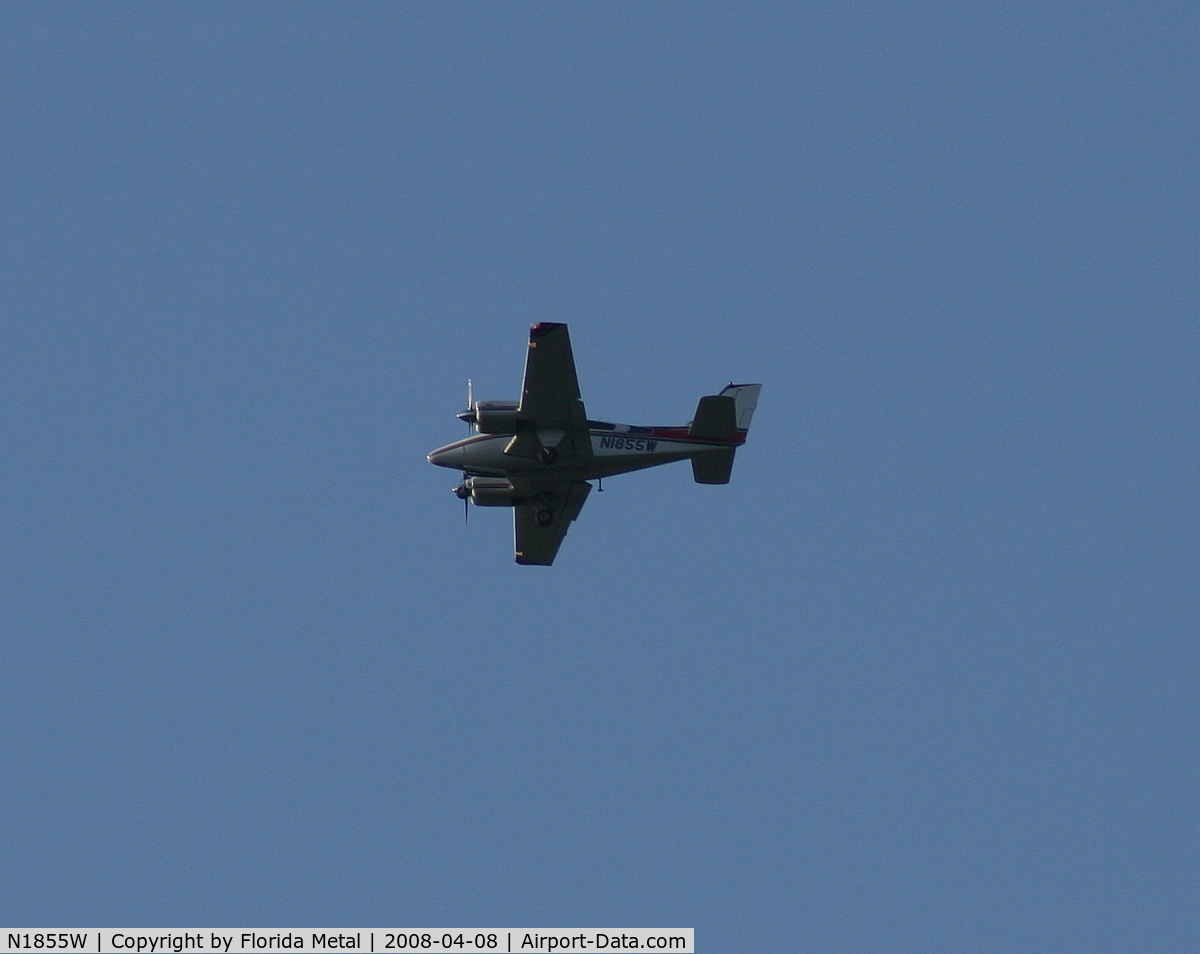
(745, 400)
(721, 417)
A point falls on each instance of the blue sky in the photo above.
(921, 678)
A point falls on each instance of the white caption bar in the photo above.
(369, 940)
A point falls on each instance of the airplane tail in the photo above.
(745, 400)
(721, 417)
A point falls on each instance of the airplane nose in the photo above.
(441, 457)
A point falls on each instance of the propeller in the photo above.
(464, 494)
(462, 491)
(470, 413)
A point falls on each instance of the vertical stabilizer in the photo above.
(745, 400)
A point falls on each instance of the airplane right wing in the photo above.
(540, 525)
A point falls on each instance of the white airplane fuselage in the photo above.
(616, 449)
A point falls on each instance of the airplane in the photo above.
(537, 455)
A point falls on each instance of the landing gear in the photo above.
(548, 455)
(545, 517)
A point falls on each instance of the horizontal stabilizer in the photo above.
(713, 467)
(715, 420)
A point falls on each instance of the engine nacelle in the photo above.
(494, 417)
(489, 492)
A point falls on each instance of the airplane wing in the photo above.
(539, 526)
(550, 396)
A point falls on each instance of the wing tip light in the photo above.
(544, 328)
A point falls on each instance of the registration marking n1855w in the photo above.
(628, 443)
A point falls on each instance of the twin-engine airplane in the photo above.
(538, 455)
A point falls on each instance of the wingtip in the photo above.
(544, 328)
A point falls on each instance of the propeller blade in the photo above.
(464, 494)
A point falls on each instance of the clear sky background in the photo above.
(922, 678)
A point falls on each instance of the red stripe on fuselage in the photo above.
(681, 434)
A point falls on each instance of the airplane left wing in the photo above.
(550, 397)
(539, 526)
